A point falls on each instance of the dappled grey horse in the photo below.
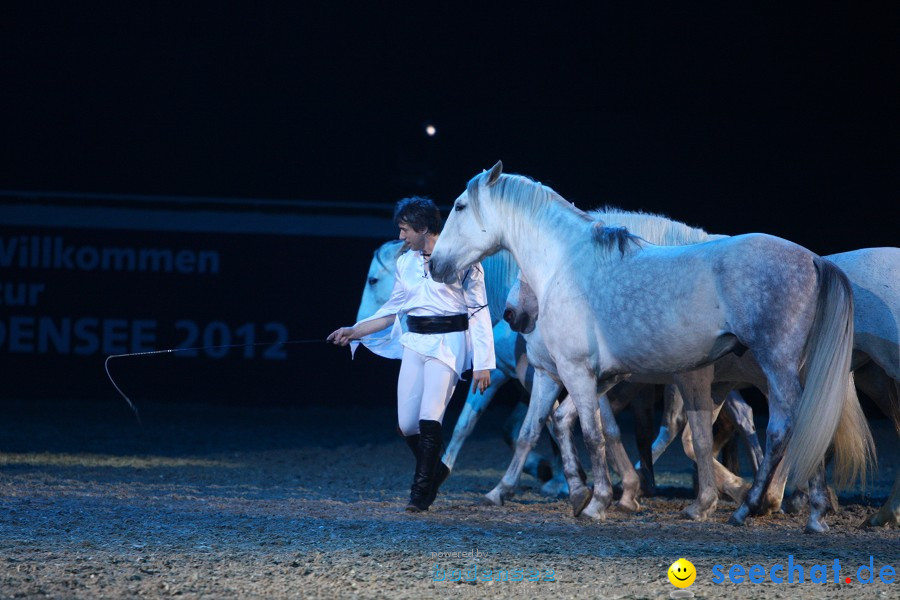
(786, 305)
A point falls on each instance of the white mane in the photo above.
(656, 229)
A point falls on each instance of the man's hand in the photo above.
(481, 380)
(341, 336)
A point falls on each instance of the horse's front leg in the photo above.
(618, 457)
(673, 422)
(475, 406)
(543, 394)
(695, 389)
(742, 416)
(584, 388)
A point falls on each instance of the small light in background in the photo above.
(430, 130)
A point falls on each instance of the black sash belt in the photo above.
(438, 324)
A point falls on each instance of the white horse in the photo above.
(521, 311)
(874, 274)
(789, 307)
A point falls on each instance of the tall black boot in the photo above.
(413, 442)
(425, 482)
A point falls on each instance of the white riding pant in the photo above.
(424, 389)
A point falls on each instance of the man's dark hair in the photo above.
(419, 213)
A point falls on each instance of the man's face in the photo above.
(414, 239)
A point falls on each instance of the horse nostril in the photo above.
(509, 315)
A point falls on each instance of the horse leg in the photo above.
(889, 513)
(536, 464)
(584, 388)
(724, 443)
(475, 406)
(885, 392)
(563, 422)
(695, 389)
(820, 502)
(641, 397)
(784, 391)
(543, 394)
(556, 486)
(673, 421)
(742, 416)
(728, 484)
(631, 484)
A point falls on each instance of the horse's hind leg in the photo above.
(889, 513)
(471, 412)
(642, 401)
(784, 392)
(727, 483)
(820, 502)
(543, 394)
(695, 389)
(885, 392)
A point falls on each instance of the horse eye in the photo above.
(373, 280)
(459, 207)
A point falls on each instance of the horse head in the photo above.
(521, 307)
(465, 238)
(380, 279)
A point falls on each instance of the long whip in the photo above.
(173, 350)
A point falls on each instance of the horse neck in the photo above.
(544, 241)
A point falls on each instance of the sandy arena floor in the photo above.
(213, 502)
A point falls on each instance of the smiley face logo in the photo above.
(682, 573)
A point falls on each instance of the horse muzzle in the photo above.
(519, 321)
(439, 271)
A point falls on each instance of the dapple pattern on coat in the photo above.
(804, 316)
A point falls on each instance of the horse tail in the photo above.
(829, 408)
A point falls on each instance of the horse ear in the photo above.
(494, 175)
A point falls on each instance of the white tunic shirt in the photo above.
(416, 294)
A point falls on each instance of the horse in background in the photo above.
(500, 272)
(754, 292)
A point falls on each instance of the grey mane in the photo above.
(658, 229)
(612, 238)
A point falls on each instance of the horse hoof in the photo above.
(594, 511)
(491, 500)
(880, 520)
(739, 517)
(579, 499)
(695, 513)
(815, 526)
(628, 506)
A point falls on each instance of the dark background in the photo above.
(728, 116)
